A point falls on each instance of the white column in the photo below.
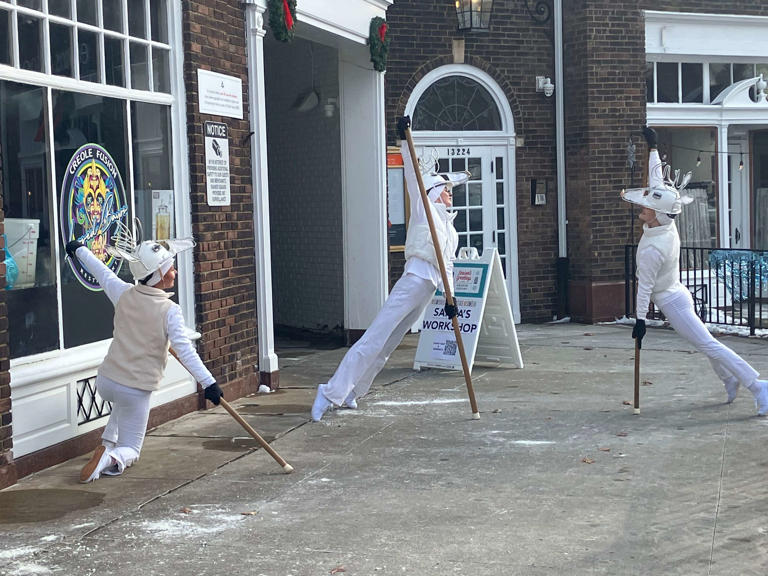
(363, 188)
(722, 187)
(255, 32)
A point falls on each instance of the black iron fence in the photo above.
(728, 286)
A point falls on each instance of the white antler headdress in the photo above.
(145, 257)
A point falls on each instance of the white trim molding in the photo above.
(697, 35)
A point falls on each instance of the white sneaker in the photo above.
(351, 401)
(732, 389)
(100, 461)
(760, 389)
(321, 405)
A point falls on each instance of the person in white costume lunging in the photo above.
(658, 279)
(409, 296)
(146, 322)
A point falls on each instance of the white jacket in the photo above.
(658, 266)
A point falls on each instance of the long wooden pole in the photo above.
(287, 468)
(637, 378)
(446, 285)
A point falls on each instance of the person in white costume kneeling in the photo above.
(658, 279)
(146, 322)
(409, 296)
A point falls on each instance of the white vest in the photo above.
(418, 242)
(139, 350)
(666, 240)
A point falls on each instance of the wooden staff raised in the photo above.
(443, 274)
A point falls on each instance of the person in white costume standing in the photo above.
(146, 322)
(409, 296)
(658, 279)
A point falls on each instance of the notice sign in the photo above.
(217, 164)
(219, 94)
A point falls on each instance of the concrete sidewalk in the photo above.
(557, 477)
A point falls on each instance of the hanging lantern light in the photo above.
(474, 14)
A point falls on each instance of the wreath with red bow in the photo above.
(282, 17)
(378, 42)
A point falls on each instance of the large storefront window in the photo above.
(75, 162)
(29, 229)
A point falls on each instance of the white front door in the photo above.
(481, 219)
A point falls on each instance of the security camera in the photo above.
(549, 88)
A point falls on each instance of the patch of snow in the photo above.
(50, 538)
(532, 442)
(716, 329)
(28, 569)
(563, 320)
(418, 402)
(177, 528)
(16, 552)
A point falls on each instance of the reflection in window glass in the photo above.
(666, 74)
(158, 15)
(59, 8)
(139, 67)
(161, 74)
(719, 79)
(649, 85)
(31, 293)
(760, 198)
(456, 103)
(33, 4)
(693, 82)
(30, 43)
(61, 50)
(5, 38)
(88, 53)
(85, 118)
(743, 72)
(153, 168)
(86, 12)
(136, 19)
(113, 15)
(113, 61)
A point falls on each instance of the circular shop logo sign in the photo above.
(92, 203)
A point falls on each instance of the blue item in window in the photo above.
(11, 269)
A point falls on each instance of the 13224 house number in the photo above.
(457, 151)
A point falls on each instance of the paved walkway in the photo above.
(557, 477)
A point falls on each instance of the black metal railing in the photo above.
(728, 286)
(90, 406)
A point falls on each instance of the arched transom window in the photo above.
(456, 103)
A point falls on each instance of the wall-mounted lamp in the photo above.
(544, 84)
(474, 14)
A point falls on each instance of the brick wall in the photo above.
(7, 469)
(225, 297)
(513, 52)
(304, 187)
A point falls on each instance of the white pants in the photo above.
(127, 424)
(367, 357)
(726, 363)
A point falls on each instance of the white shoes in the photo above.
(100, 461)
(732, 389)
(321, 405)
(760, 389)
(351, 401)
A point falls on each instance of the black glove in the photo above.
(638, 332)
(403, 123)
(650, 137)
(451, 310)
(214, 394)
(72, 247)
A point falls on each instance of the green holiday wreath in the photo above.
(282, 16)
(378, 42)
